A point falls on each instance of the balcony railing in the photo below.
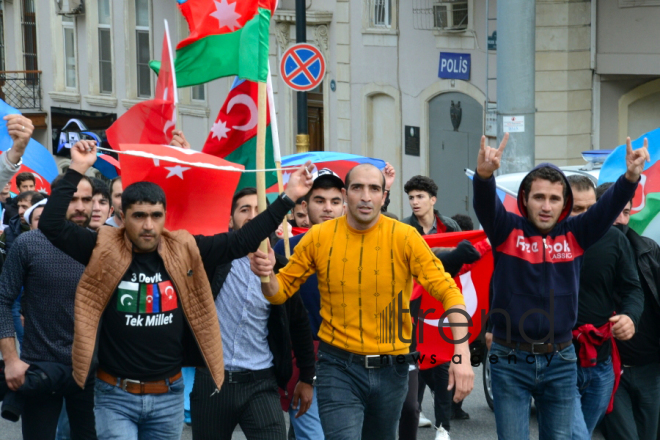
(21, 89)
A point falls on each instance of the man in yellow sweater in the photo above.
(366, 264)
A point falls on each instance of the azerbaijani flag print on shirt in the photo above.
(227, 37)
(644, 218)
(146, 298)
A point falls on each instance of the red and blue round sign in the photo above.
(302, 67)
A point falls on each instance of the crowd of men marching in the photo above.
(127, 330)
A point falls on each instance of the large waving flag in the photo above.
(474, 284)
(644, 217)
(184, 175)
(234, 133)
(36, 159)
(340, 163)
(227, 37)
(150, 122)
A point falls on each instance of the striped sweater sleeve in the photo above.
(429, 272)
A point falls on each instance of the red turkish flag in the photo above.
(475, 284)
(150, 122)
(198, 197)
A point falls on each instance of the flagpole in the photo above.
(278, 158)
(177, 123)
(261, 160)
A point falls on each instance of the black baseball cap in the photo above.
(328, 174)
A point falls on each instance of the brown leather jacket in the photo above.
(110, 260)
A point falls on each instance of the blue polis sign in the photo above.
(454, 66)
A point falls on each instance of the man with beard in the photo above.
(49, 278)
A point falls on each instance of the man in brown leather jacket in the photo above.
(145, 297)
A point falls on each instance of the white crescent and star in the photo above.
(251, 105)
(123, 297)
(169, 295)
(469, 295)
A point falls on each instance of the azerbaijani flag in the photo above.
(644, 217)
(227, 37)
(233, 136)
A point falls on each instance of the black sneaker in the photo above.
(459, 414)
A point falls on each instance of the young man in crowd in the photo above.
(257, 339)
(17, 224)
(422, 196)
(365, 264)
(535, 284)
(608, 276)
(323, 202)
(101, 209)
(116, 190)
(49, 279)
(25, 182)
(299, 214)
(145, 297)
(637, 400)
(463, 221)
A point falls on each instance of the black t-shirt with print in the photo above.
(142, 328)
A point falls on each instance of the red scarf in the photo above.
(588, 338)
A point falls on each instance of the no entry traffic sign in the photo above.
(302, 67)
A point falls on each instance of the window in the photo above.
(450, 15)
(198, 93)
(29, 28)
(143, 53)
(381, 13)
(68, 26)
(105, 47)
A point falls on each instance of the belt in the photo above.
(535, 347)
(370, 360)
(248, 375)
(136, 386)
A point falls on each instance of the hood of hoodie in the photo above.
(568, 207)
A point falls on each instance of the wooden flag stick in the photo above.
(261, 160)
(285, 224)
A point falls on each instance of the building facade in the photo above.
(597, 77)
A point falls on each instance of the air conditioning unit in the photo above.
(450, 15)
(69, 7)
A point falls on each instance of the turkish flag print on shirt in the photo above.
(152, 121)
(198, 199)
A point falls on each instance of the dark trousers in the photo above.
(409, 421)
(255, 406)
(437, 378)
(41, 414)
(636, 405)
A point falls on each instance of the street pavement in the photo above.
(480, 426)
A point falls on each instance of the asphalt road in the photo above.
(480, 426)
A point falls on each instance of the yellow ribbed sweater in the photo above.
(360, 275)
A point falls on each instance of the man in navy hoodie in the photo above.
(535, 284)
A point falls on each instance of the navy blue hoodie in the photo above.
(541, 271)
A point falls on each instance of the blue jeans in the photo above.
(359, 403)
(125, 416)
(592, 396)
(517, 376)
(307, 426)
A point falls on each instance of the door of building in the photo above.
(315, 118)
(455, 129)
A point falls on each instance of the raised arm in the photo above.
(488, 207)
(20, 130)
(594, 223)
(74, 240)
(225, 247)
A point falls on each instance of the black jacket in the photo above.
(288, 327)
(647, 253)
(449, 224)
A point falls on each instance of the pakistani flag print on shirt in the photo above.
(146, 298)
